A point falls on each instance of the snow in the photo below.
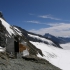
(65, 46)
(7, 26)
(2, 49)
(25, 52)
(40, 38)
(56, 56)
(17, 31)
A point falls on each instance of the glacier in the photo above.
(56, 56)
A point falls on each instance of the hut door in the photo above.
(16, 46)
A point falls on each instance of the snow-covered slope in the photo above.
(11, 29)
(56, 56)
(7, 26)
(43, 39)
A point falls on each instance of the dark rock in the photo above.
(2, 35)
(1, 15)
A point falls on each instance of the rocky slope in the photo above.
(24, 64)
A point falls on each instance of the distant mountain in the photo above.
(65, 39)
(60, 40)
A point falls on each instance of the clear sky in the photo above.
(38, 16)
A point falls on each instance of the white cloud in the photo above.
(61, 29)
(33, 21)
(49, 16)
(56, 24)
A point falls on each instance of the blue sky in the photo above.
(38, 16)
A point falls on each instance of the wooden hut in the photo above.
(15, 47)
